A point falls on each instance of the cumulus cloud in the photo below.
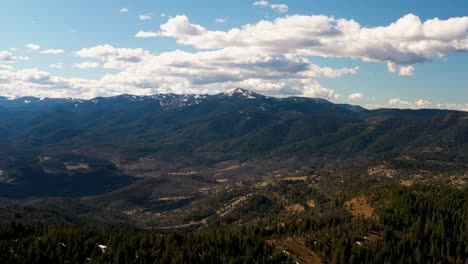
(421, 103)
(146, 34)
(406, 70)
(34, 76)
(397, 101)
(32, 46)
(142, 72)
(402, 70)
(181, 71)
(280, 8)
(27, 82)
(53, 51)
(356, 96)
(124, 10)
(6, 56)
(86, 65)
(260, 3)
(402, 44)
(6, 67)
(114, 58)
(145, 17)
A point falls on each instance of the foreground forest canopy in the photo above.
(418, 224)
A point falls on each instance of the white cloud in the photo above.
(421, 103)
(56, 66)
(418, 104)
(86, 65)
(6, 56)
(402, 70)
(6, 67)
(33, 46)
(146, 34)
(53, 51)
(144, 17)
(396, 101)
(392, 67)
(124, 10)
(180, 71)
(401, 44)
(35, 76)
(115, 58)
(221, 20)
(97, 52)
(260, 3)
(163, 15)
(24, 58)
(406, 70)
(460, 107)
(40, 83)
(356, 96)
(280, 8)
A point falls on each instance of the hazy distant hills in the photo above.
(103, 136)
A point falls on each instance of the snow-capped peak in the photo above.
(239, 91)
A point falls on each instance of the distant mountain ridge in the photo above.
(236, 114)
(130, 135)
(183, 99)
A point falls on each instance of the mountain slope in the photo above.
(45, 140)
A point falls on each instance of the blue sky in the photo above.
(389, 67)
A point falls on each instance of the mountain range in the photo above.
(129, 151)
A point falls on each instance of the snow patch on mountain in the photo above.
(239, 92)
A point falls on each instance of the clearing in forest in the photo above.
(296, 178)
(359, 206)
(296, 248)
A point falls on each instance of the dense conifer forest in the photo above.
(418, 224)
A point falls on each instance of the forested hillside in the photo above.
(119, 138)
(419, 224)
